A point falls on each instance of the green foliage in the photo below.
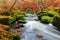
(14, 37)
(40, 14)
(17, 37)
(11, 35)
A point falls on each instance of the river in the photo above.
(35, 30)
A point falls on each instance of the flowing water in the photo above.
(33, 28)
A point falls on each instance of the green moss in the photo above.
(22, 18)
(19, 15)
(51, 13)
(40, 14)
(11, 20)
(46, 19)
(56, 21)
(18, 12)
(7, 20)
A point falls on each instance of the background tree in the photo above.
(52, 4)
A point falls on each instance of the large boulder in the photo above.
(56, 21)
(51, 13)
(46, 19)
(7, 19)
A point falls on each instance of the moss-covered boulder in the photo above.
(46, 19)
(7, 19)
(21, 19)
(51, 13)
(19, 15)
(56, 21)
(40, 14)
